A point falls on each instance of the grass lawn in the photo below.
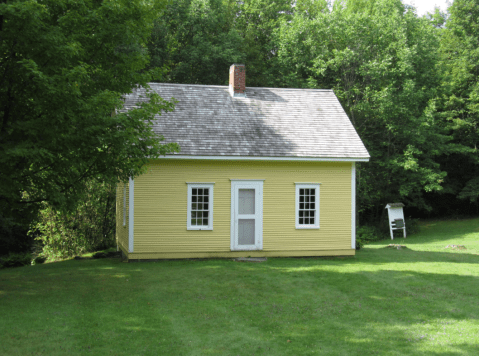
(423, 300)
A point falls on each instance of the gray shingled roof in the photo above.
(269, 122)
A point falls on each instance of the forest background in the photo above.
(407, 82)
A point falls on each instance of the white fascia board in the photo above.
(131, 216)
(262, 158)
(353, 206)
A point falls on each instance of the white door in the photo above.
(246, 215)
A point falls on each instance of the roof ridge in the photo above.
(226, 86)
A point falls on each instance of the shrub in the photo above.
(39, 260)
(366, 234)
(369, 233)
(90, 227)
(412, 226)
(17, 260)
(14, 224)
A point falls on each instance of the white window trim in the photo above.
(316, 214)
(210, 210)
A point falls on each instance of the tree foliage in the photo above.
(64, 66)
(459, 107)
(192, 40)
(381, 62)
(90, 227)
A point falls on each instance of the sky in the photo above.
(424, 6)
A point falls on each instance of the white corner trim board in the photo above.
(131, 217)
(124, 204)
(353, 206)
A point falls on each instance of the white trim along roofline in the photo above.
(262, 158)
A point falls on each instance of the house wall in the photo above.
(160, 212)
(122, 230)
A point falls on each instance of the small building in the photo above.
(261, 172)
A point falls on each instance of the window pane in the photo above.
(306, 192)
(200, 206)
(246, 231)
(193, 198)
(194, 191)
(301, 205)
(205, 222)
(205, 199)
(300, 213)
(306, 221)
(301, 192)
(306, 206)
(205, 214)
(312, 206)
(205, 191)
(200, 191)
(301, 221)
(311, 199)
(311, 221)
(200, 199)
(246, 203)
(311, 191)
(193, 222)
(301, 199)
(193, 214)
(205, 206)
(199, 214)
(193, 206)
(306, 199)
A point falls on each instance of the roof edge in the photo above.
(266, 158)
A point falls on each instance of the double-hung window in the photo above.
(200, 206)
(307, 205)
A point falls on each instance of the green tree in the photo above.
(460, 104)
(381, 63)
(194, 42)
(64, 66)
(256, 21)
(90, 227)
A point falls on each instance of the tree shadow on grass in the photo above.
(409, 255)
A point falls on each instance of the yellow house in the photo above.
(261, 172)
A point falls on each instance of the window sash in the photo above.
(307, 206)
(200, 207)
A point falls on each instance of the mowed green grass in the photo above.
(423, 300)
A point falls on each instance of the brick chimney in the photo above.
(237, 80)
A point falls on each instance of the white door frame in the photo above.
(257, 185)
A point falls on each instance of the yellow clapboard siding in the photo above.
(161, 207)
